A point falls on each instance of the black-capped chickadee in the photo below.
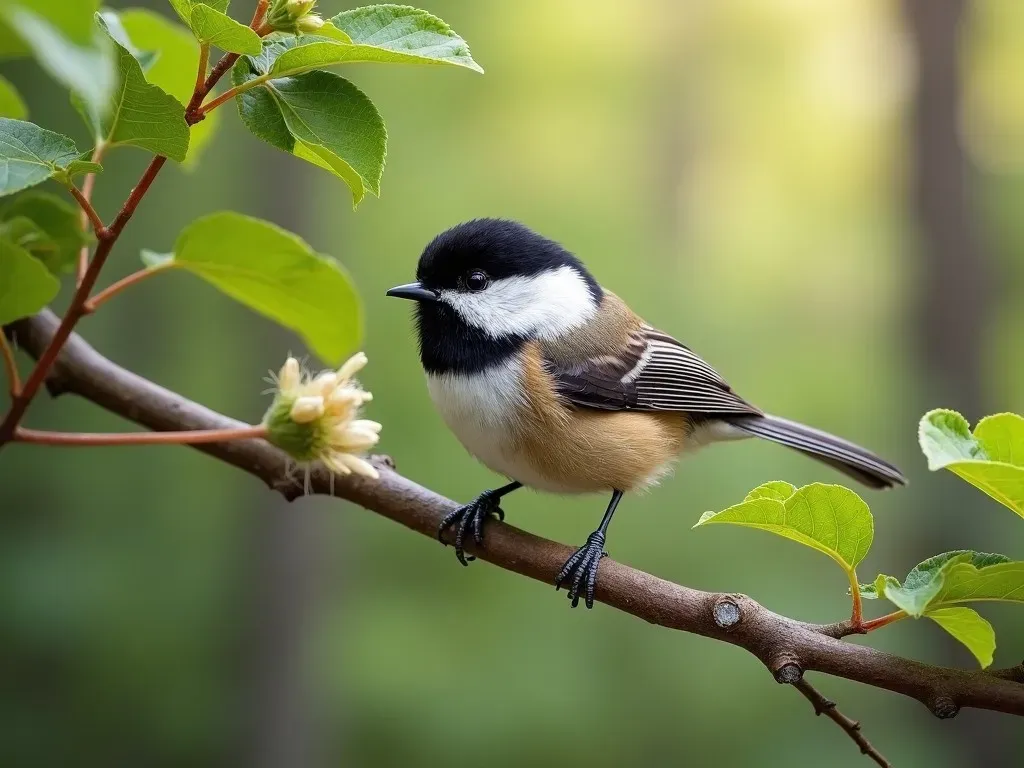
(551, 380)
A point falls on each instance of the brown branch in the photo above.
(786, 646)
(10, 367)
(88, 211)
(823, 706)
(87, 187)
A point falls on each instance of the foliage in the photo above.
(836, 521)
(132, 77)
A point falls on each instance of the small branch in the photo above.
(823, 706)
(107, 238)
(787, 647)
(112, 290)
(872, 624)
(10, 367)
(95, 439)
(90, 213)
(260, 14)
(87, 187)
(204, 64)
(857, 615)
(225, 97)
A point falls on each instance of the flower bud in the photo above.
(309, 24)
(297, 8)
(288, 378)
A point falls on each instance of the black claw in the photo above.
(582, 569)
(469, 519)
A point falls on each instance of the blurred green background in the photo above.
(822, 198)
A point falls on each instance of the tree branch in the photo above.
(823, 706)
(786, 646)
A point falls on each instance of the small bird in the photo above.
(552, 381)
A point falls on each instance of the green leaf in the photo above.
(30, 155)
(174, 69)
(275, 273)
(140, 114)
(26, 286)
(992, 459)
(62, 37)
(952, 578)
(829, 518)
(967, 626)
(210, 24)
(317, 116)
(184, 7)
(393, 34)
(779, 490)
(46, 226)
(11, 104)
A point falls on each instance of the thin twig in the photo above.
(10, 367)
(107, 238)
(113, 289)
(882, 621)
(96, 439)
(204, 64)
(90, 213)
(823, 706)
(787, 647)
(87, 187)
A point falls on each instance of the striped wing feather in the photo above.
(653, 372)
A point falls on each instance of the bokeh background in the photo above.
(823, 198)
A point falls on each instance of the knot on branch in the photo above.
(943, 707)
(726, 611)
(786, 667)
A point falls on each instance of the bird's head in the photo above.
(490, 284)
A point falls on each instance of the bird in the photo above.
(550, 379)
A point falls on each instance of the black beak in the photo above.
(413, 291)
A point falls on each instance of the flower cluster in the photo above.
(315, 417)
(294, 16)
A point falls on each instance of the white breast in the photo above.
(483, 409)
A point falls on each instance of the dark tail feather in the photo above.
(848, 458)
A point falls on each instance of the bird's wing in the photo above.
(652, 372)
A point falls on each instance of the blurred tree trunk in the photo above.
(954, 293)
(955, 286)
(281, 723)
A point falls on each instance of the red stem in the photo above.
(107, 237)
(87, 187)
(89, 212)
(191, 437)
(882, 621)
(13, 380)
(115, 288)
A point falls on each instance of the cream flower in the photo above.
(316, 417)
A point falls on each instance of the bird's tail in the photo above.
(859, 463)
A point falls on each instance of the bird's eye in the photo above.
(476, 280)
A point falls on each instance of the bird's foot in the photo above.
(580, 570)
(470, 518)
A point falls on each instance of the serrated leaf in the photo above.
(62, 37)
(394, 34)
(53, 233)
(11, 104)
(30, 155)
(140, 114)
(277, 274)
(991, 459)
(26, 286)
(210, 24)
(967, 626)
(216, 28)
(184, 7)
(779, 490)
(317, 116)
(174, 69)
(950, 578)
(829, 518)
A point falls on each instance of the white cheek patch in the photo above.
(543, 306)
